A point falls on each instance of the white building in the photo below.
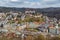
(30, 11)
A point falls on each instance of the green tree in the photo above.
(40, 37)
(55, 38)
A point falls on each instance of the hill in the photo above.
(51, 12)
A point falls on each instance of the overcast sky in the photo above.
(30, 3)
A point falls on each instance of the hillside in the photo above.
(51, 12)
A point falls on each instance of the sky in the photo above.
(30, 3)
